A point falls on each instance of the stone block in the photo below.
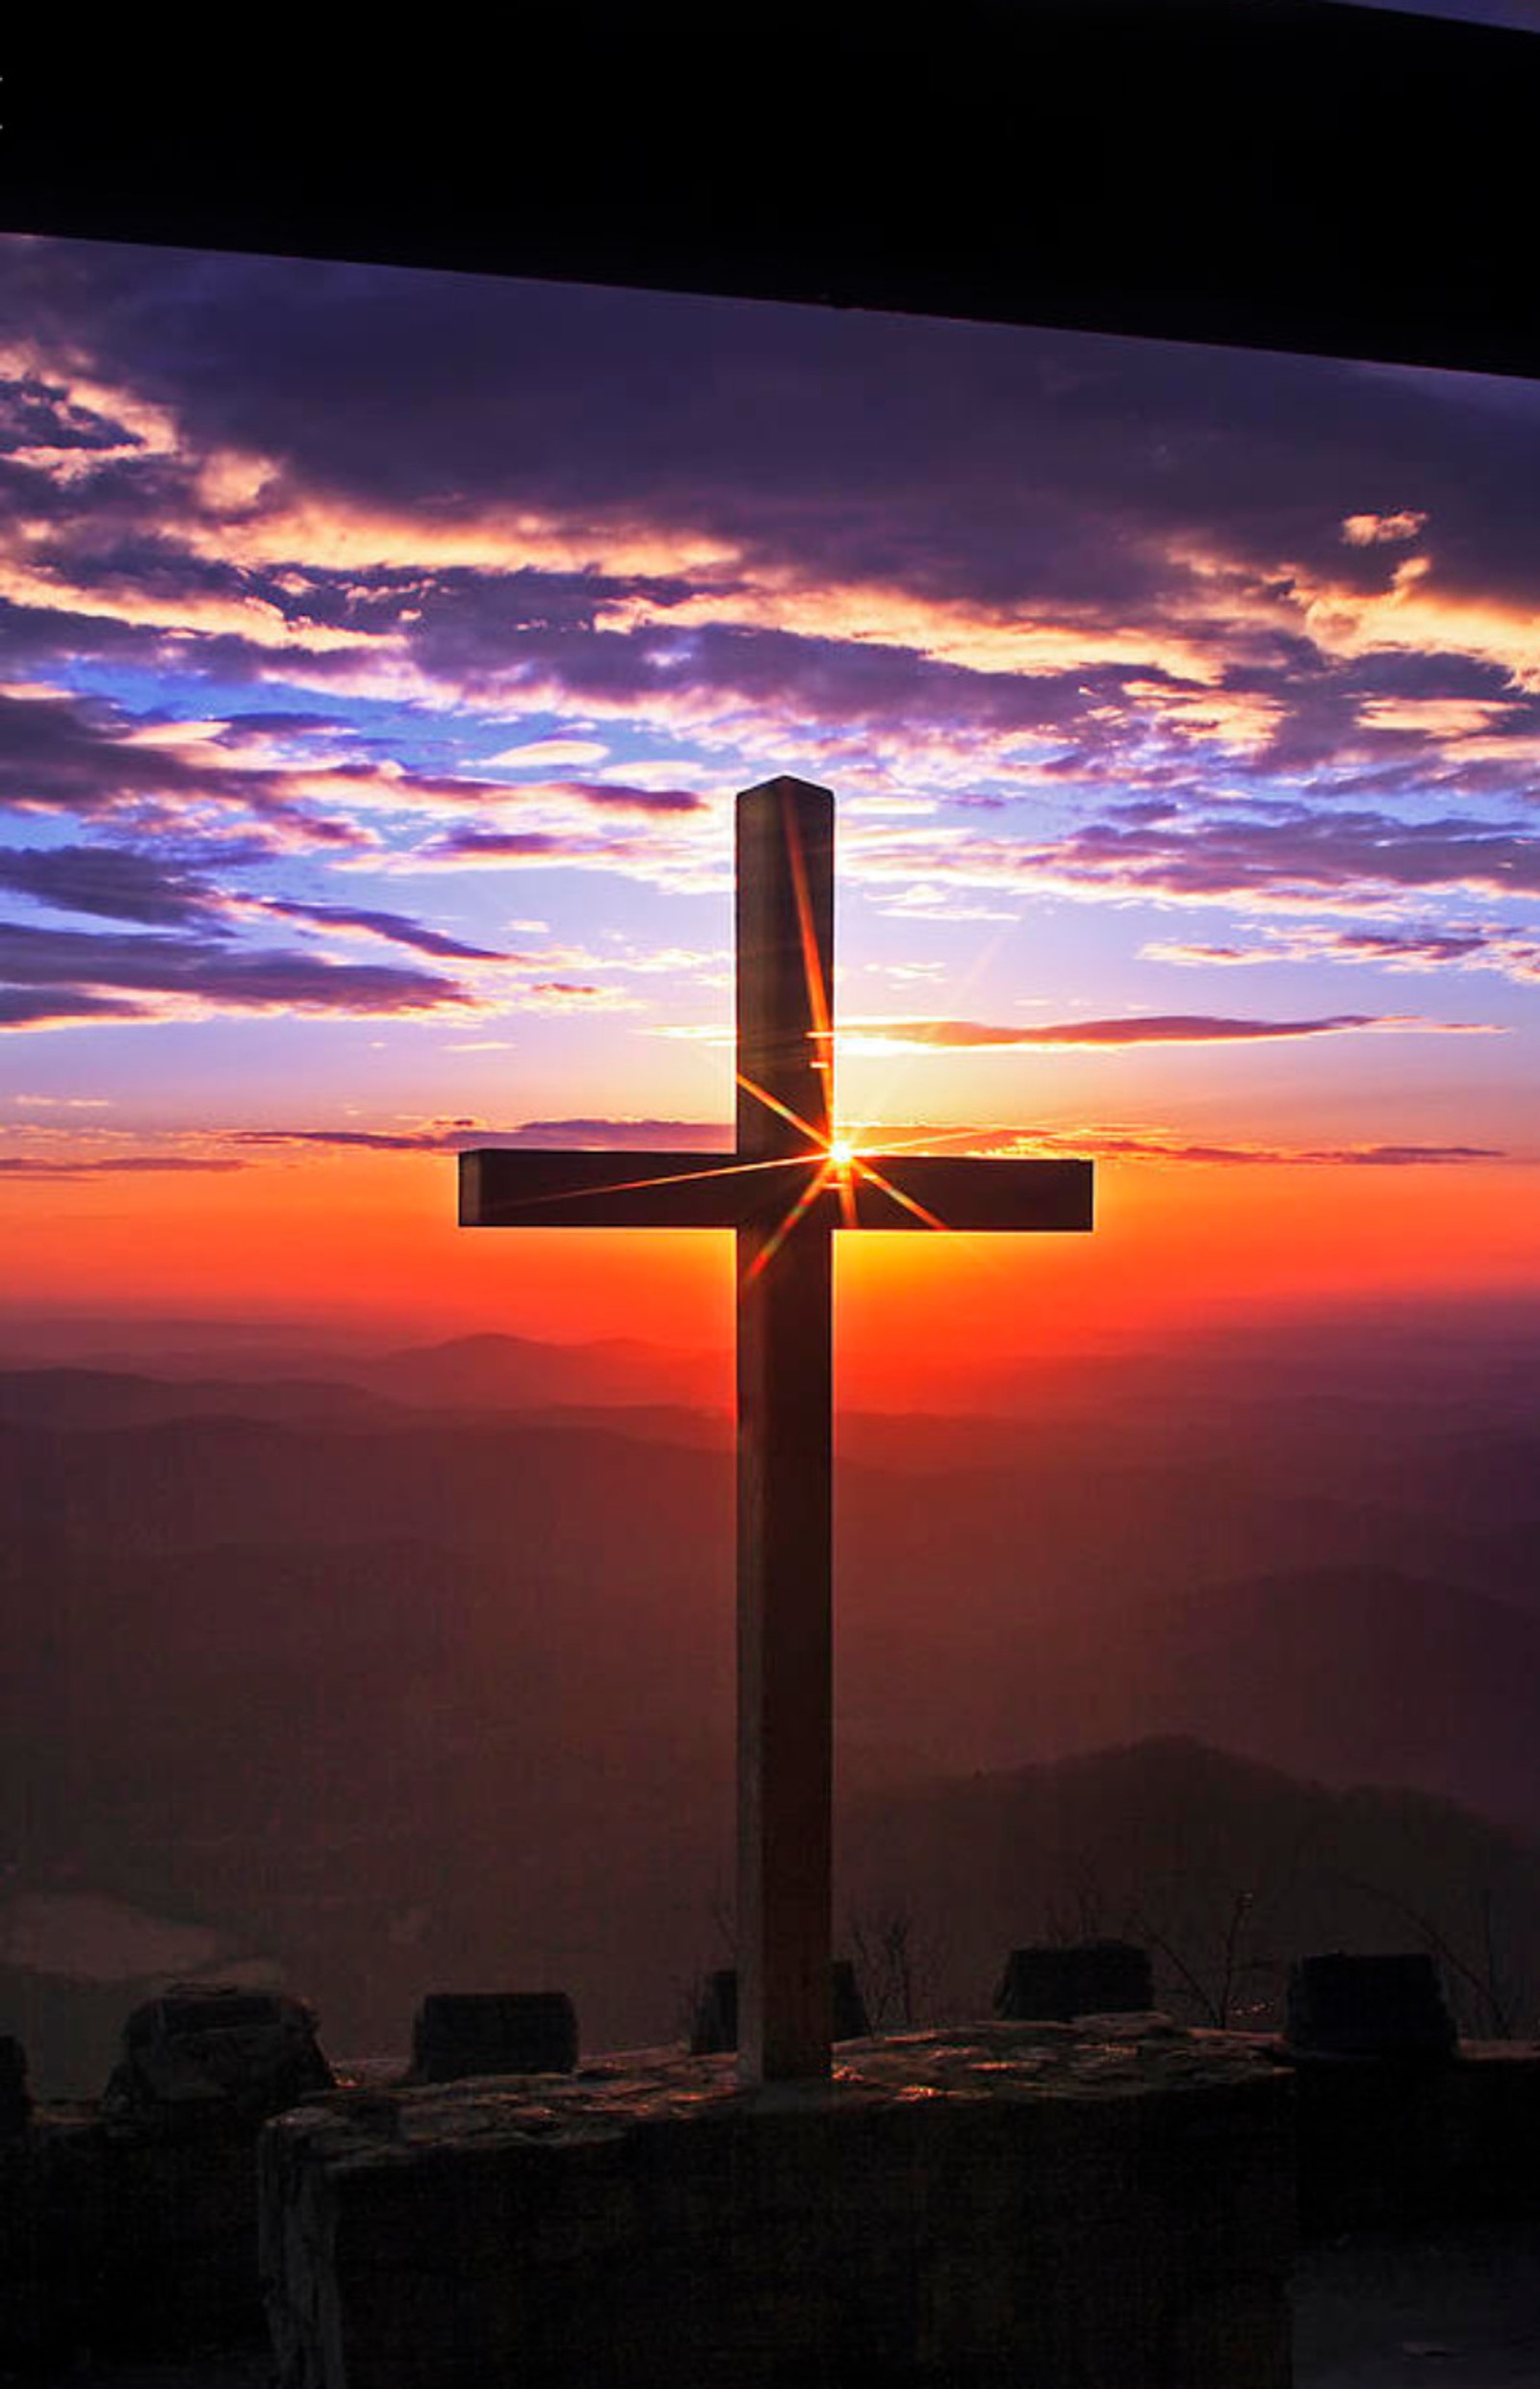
(1080, 1978)
(16, 2099)
(715, 2024)
(214, 2058)
(962, 2210)
(1391, 2007)
(459, 2034)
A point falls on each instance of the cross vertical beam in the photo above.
(784, 1189)
(785, 905)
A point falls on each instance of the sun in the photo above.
(842, 1152)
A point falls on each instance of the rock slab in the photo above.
(1104, 2206)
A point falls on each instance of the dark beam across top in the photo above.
(1292, 174)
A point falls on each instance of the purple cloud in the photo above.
(544, 1135)
(21, 1008)
(23, 1165)
(1240, 854)
(213, 974)
(78, 755)
(366, 1139)
(256, 724)
(601, 796)
(493, 845)
(1404, 1156)
(1060, 430)
(625, 800)
(1132, 574)
(119, 883)
(395, 926)
(623, 1135)
(1167, 1145)
(1292, 1157)
(67, 755)
(1463, 945)
(1479, 945)
(1088, 491)
(660, 1135)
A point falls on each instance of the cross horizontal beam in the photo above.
(506, 1187)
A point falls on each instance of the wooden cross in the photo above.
(786, 1184)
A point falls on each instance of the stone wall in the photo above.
(116, 2243)
(1386, 2147)
(1102, 2210)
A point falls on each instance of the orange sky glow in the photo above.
(369, 1241)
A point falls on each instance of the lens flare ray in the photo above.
(896, 1194)
(773, 1242)
(773, 1103)
(726, 1168)
(812, 962)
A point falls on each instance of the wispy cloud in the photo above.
(31, 1008)
(56, 975)
(685, 854)
(1163, 1147)
(1373, 530)
(1461, 946)
(1107, 1142)
(603, 796)
(1167, 629)
(87, 759)
(119, 884)
(540, 754)
(394, 927)
(456, 1136)
(131, 883)
(1141, 1029)
(108, 1165)
(1284, 852)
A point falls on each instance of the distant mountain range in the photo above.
(1225, 1870)
(503, 1373)
(466, 1373)
(1340, 1601)
(424, 1673)
(68, 1401)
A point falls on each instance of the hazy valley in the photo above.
(389, 1676)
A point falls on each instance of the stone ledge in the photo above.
(126, 2246)
(1110, 2207)
(121, 2242)
(1387, 2146)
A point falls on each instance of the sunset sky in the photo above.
(380, 652)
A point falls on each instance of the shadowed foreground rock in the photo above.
(1107, 2206)
(214, 2058)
